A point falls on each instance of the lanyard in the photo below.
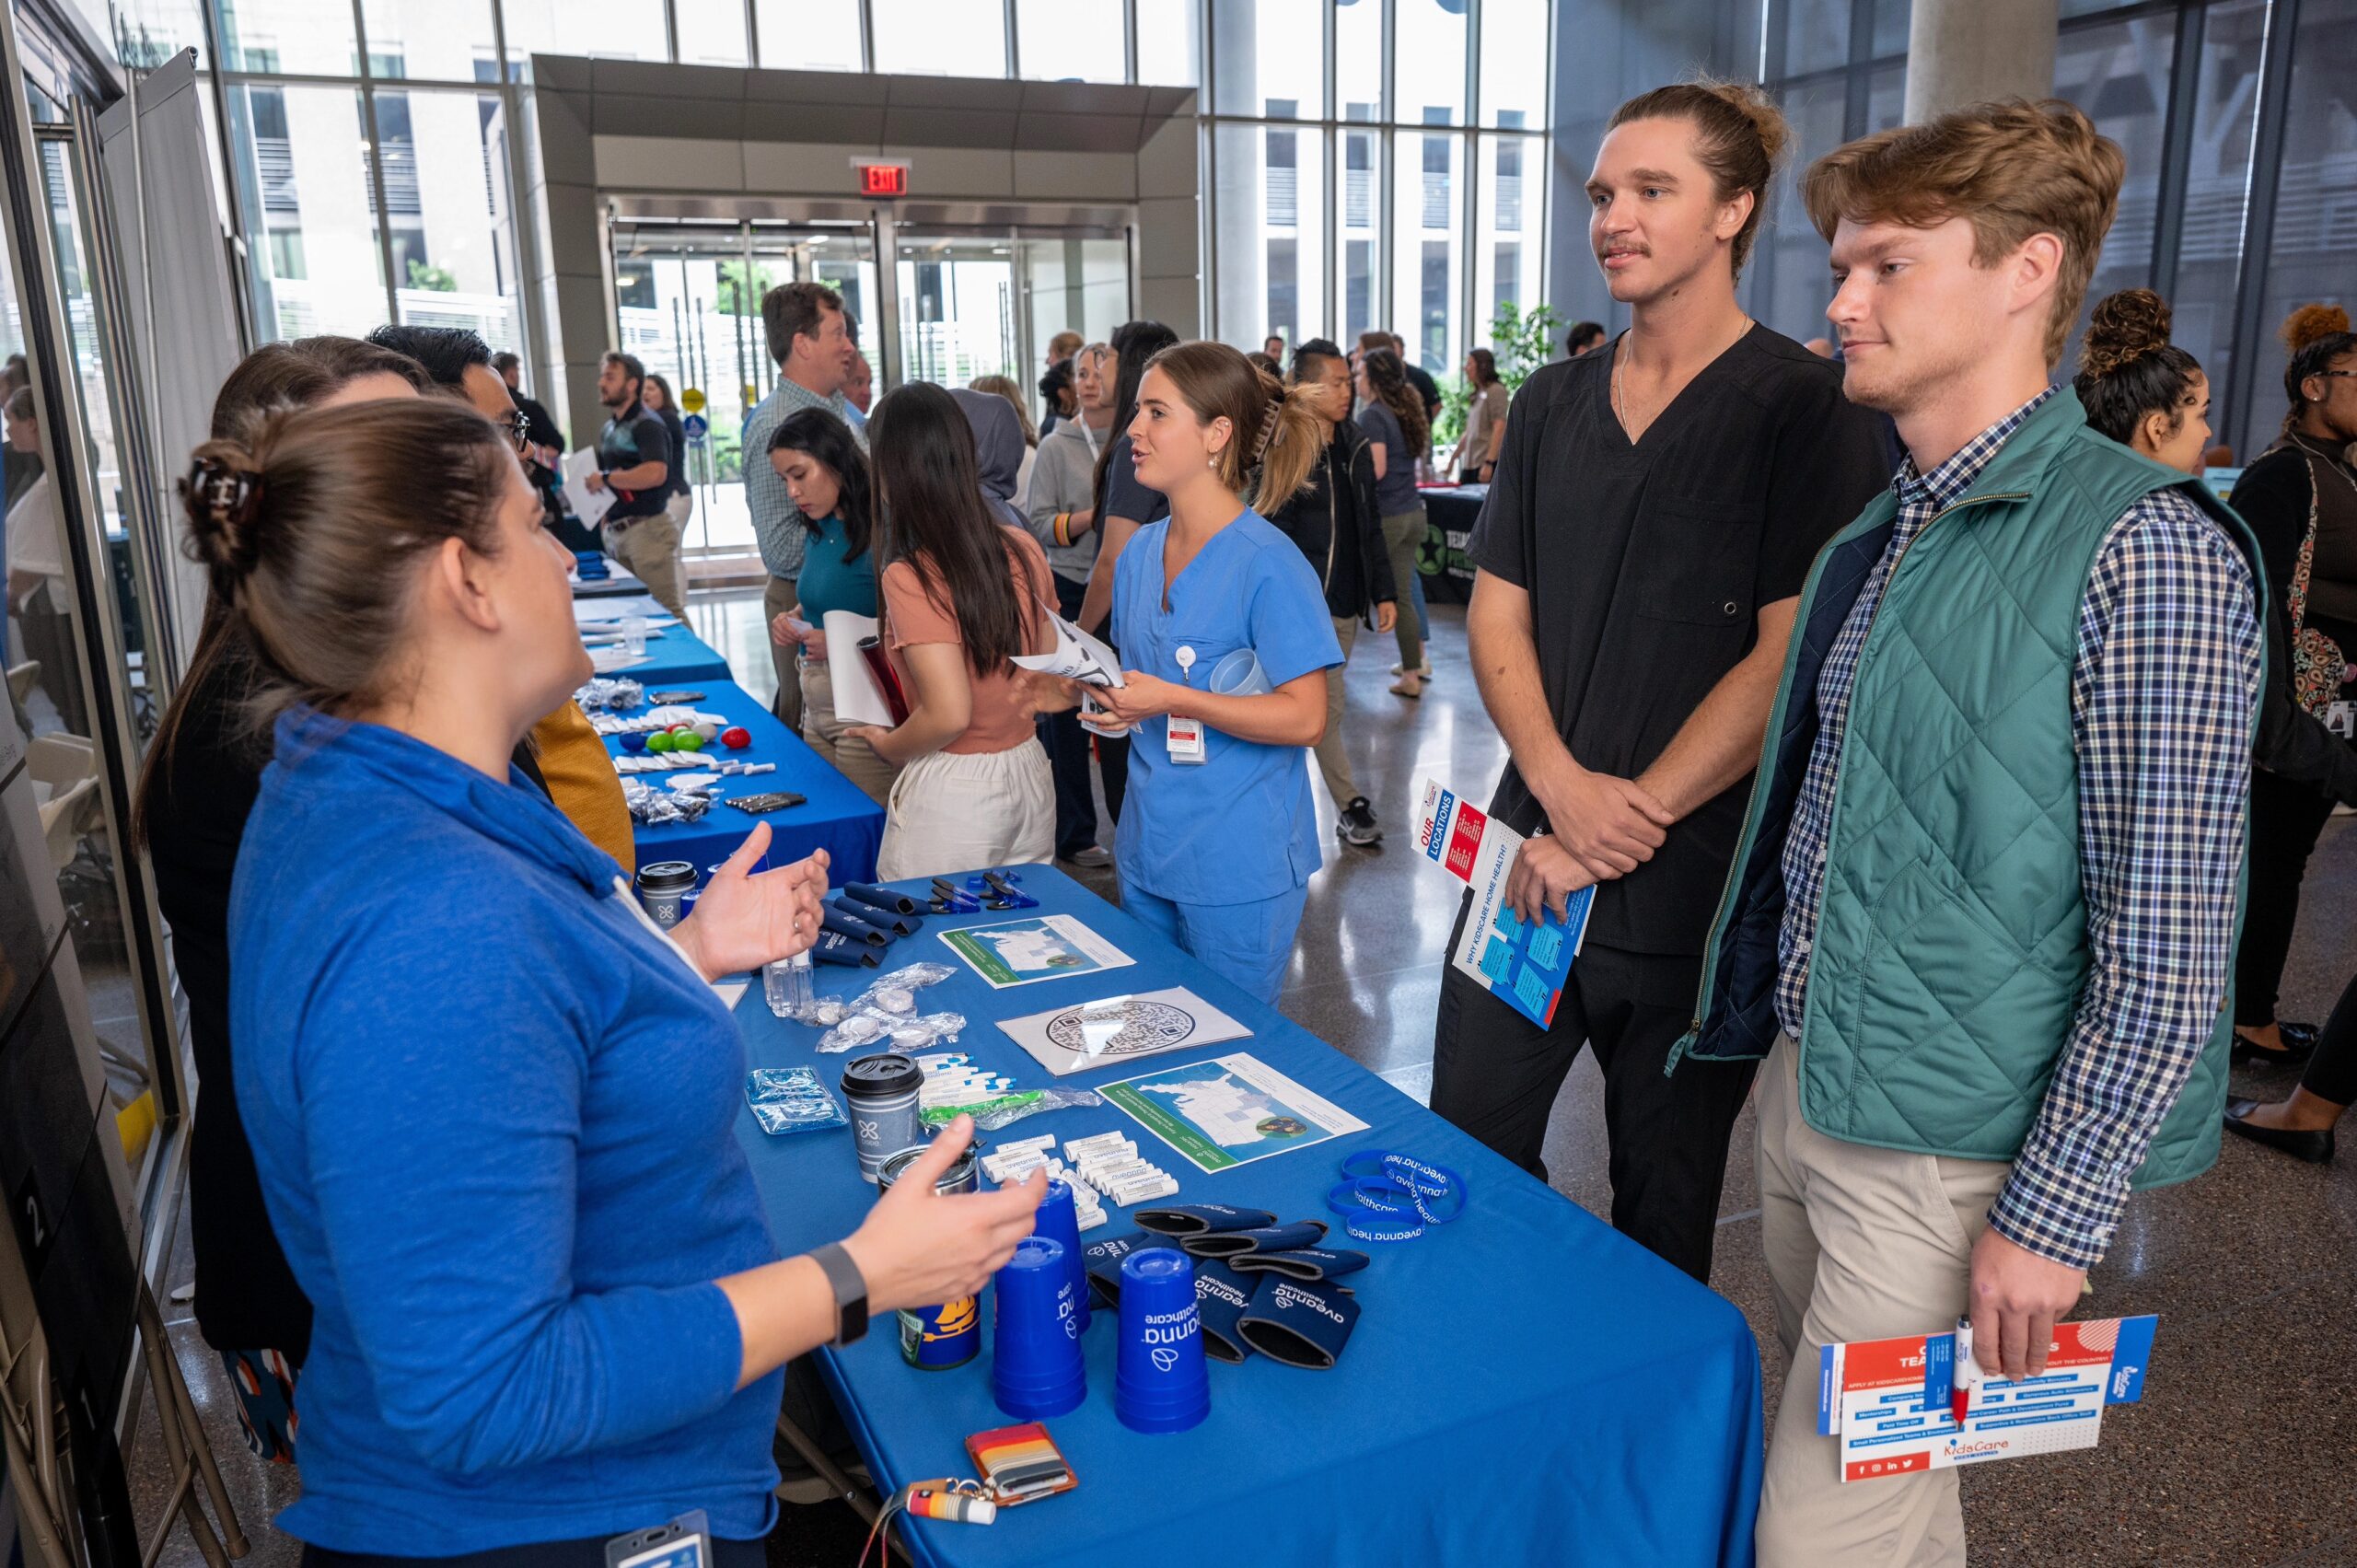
(1385, 1196)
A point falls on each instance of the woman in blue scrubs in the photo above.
(1219, 836)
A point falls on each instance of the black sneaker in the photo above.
(1357, 824)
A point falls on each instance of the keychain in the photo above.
(1184, 736)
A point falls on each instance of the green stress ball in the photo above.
(659, 741)
(686, 741)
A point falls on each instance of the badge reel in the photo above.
(1184, 738)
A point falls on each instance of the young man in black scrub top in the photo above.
(1655, 508)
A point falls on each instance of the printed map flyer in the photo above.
(1016, 952)
(1229, 1112)
(1889, 1400)
(1523, 963)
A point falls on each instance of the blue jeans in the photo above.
(1246, 942)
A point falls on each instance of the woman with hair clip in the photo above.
(547, 1307)
(962, 596)
(203, 772)
(826, 476)
(1226, 632)
(2300, 499)
(1476, 457)
(1393, 420)
(1334, 520)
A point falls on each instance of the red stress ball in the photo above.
(736, 738)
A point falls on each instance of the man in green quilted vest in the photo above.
(1984, 905)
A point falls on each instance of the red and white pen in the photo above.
(1965, 1374)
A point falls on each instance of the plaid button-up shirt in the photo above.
(777, 521)
(2162, 689)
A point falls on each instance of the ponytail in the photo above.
(1292, 438)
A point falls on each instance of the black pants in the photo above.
(2332, 1071)
(2285, 819)
(1495, 1074)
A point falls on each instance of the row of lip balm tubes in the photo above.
(1107, 1164)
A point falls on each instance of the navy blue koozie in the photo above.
(1200, 1219)
(832, 918)
(1101, 1260)
(1035, 1365)
(1298, 1323)
(880, 898)
(1221, 1296)
(834, 948)
(1059, 1221)
(1159, 1381)
(1265, 1238)
(891, 921)
(1302, 1262)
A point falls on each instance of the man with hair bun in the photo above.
(1988, 888)
(1652, 512)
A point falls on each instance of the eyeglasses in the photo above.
(519, 431)
(2330, 373)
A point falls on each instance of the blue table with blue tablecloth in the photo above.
(835, 815)
(675, 655)
(1524, 1386)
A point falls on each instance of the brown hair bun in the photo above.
(2310, 323)
(2125, 328)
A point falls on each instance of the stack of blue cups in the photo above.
(1159, 1381)
(1036, 1365)
(1059, 1221)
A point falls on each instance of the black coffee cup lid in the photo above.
(666, 874)
(887, 1072)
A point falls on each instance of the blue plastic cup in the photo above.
(1059, 1221)
(1160, 1383)
(1240, 675)
(1036, 1365)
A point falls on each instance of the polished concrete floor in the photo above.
(2242, 1451)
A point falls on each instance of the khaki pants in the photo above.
(1402, 533)
(1332, 761)
(1862, 1244)
(649, 548)
(776, 600)
(970, 811)
(853, 758)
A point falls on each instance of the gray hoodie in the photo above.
(1064, 479)
(998, 449)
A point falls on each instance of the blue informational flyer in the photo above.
(1521, 961)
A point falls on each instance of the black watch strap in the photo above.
(850, 1291)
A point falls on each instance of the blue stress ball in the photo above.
(634, 742)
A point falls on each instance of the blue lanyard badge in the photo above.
(1394, 1197)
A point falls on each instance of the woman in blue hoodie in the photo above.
(492, 1105)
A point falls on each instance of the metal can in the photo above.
(933, 1339)
(662, 889)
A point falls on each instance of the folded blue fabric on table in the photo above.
(833, 918)
(1302, 1263)
(1263, 1238)
(1299, 1324)
(1198, 1219)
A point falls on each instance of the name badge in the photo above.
(1185, 739)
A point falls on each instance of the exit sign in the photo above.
(882, 178)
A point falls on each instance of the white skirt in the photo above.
(952, 812)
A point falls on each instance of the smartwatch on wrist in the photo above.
(850, 1291)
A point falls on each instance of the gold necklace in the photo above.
(1620, 411)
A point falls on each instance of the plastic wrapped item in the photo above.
(1006, 1109)
(933, 1029)
(605, 691)
(894, 991)
(857, 1029)
(651, 806)
(791, 1099)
